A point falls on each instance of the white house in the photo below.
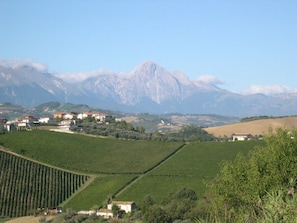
(102, 117)
(127, 206)
(105, 213)
(69, 116)
(65, 124)
(46, 120)
(241, 136)
(84, 115)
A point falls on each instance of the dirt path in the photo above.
(149, 171)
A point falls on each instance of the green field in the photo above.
(147, 167)
(190, 167)
(88, 154)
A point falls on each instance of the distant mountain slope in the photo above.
(26, 86)
(257, 127)
(148, 88)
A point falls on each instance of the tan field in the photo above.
(257, 127)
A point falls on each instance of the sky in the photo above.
(244, 46)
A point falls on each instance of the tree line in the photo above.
(126, 130)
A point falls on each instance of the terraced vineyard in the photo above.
(26, 185)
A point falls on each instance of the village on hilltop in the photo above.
(62, 119)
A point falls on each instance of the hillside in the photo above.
(257, 127)
(148, 167)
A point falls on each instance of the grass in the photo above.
(97, 193)
(114, 163)
(190, 167)
(88, 154)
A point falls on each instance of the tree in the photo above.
(148, 201)
(115, 210)
(244, 182)
(156, 214)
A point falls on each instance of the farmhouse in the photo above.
(84, 115)
(46, 120)
(100, 117)
(126, 206)
(241, 136)
(105, 213)
(69, 116)
(65, 124)
(59, 115)
(25, 122)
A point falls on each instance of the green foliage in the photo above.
(178, 206)
(128, 131)
(2, 131)
(26, 185)
(156, 214)
(192, 133)
(279, 206)
(243, 183)
(148, 201)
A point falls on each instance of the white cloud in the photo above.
(15, 63)
(269, 90)
(81, 76)
(209, 79)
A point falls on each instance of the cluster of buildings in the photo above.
(62, 119)
(123, 207)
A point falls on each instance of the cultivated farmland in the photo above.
(190, 167)
(122, 169)
(26, 185)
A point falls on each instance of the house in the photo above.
(3, 120)
(84, 115)
(126, 206)
(28, 119)
(46, 120)
(25, 122)
(69, 116)
(105, 213)
(65, 124)
(9, 126)
(59, 115)
(101, 117)
(241, 136)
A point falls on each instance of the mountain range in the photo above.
(149, 88)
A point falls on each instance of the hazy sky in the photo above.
(250, 45)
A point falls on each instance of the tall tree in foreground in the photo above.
(243, 184)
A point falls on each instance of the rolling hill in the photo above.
(256, 127)
(148, 167)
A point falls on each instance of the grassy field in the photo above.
(190, 167)
(88, 154)
(97, 193)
